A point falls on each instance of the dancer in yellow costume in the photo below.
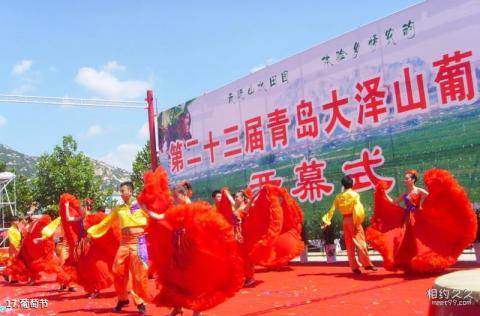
(14, 241)
(61, 247)
(131, 258)
(14, 238)
(348, 202)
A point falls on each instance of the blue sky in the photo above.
(118, 49)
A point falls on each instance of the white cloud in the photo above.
(108, 85)
(21, 67)
(144, 132)
(122, 156)
(112, 66)
(94, 130)
(3, 121)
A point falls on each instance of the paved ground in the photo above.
(468, 256)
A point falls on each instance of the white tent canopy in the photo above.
(5, 176)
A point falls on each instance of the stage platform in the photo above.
(300, 289)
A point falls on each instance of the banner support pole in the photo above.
(151, 128)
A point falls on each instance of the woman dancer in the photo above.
(432, 228)
(86, 262)
(55, 230)
(270, 229)
(32, 258)
(194, 255)
(240, 206)
(15, 243)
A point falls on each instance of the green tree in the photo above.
(141, 164)
(3, 166)
(66, 170)
(25, 193)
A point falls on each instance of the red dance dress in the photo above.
(90, 261)
(33, 258)
(272, 228)
(193, 252)
(426, 239)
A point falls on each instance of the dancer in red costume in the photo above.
(33, 259)
(430, 231)
(267, 227)
(194, 255)
(239, 207)
(240, 204)
(90, 261)
(83, 261)
(55, 230)
(271, 228)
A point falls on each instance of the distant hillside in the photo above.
(27, 165)
(111, 176)
(23, 164)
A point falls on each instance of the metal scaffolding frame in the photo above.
(6, 201)
(147, 104)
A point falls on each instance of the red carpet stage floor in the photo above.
(300, 289)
